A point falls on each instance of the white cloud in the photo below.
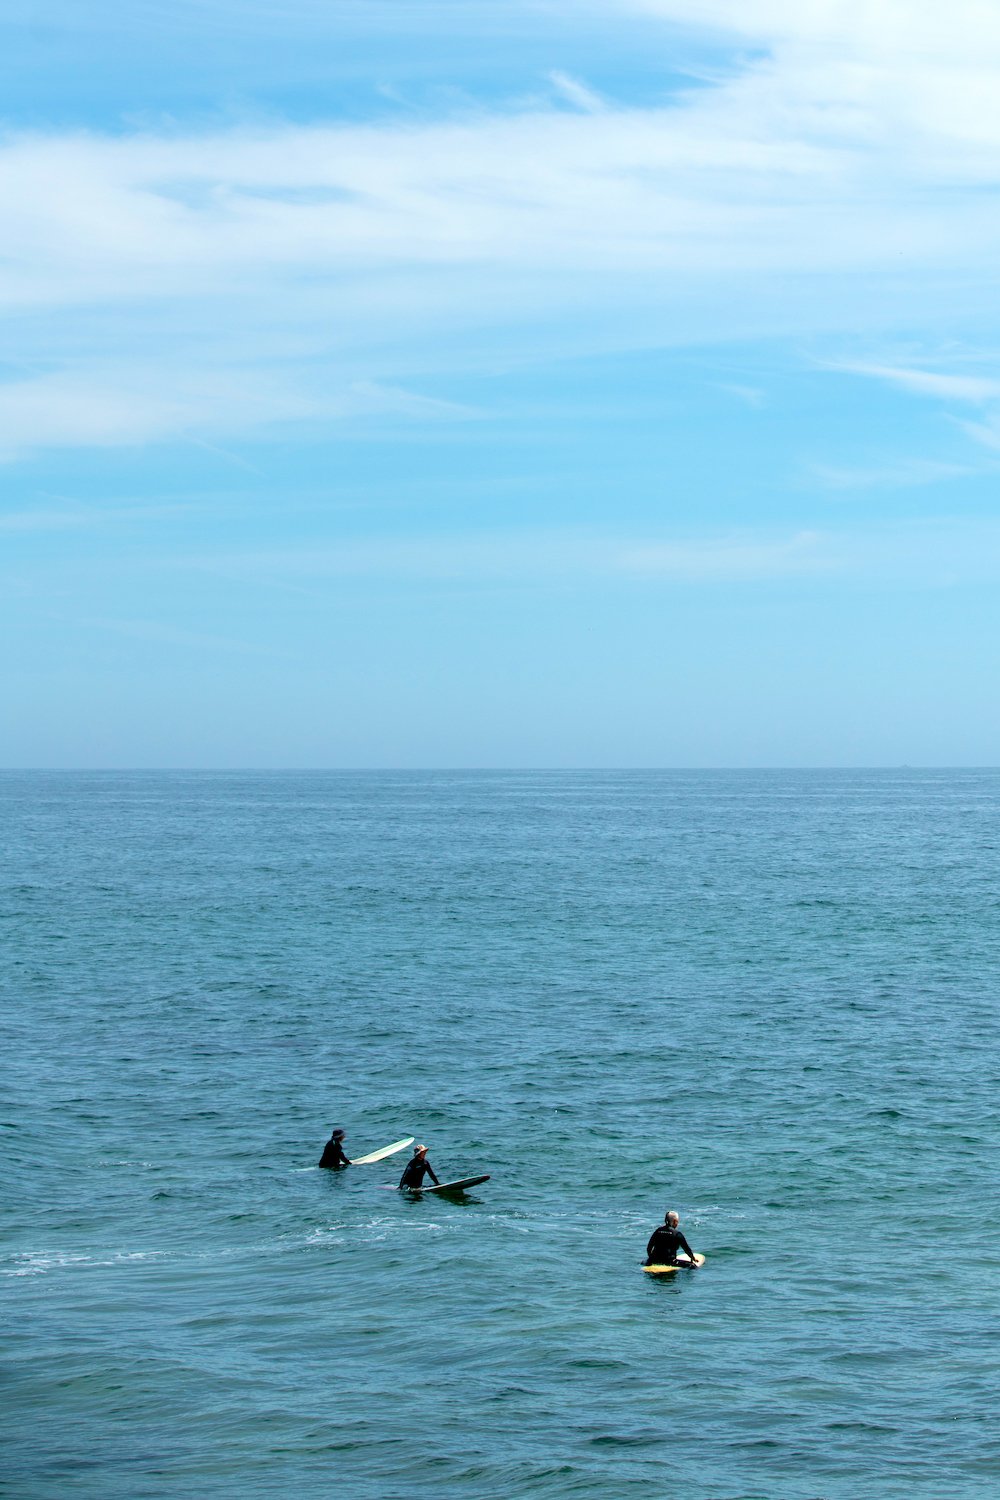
(925, 553)
(905, 474)
(101, 406)
(749, 395)
(848, 154)
(70, 517)
(577, 93)
(884, 29)
(950, 388)
(90, 219)
(941, 386)
(908, 83)
(731, 559)
(987, 433)
(774, 168)
(539, 554)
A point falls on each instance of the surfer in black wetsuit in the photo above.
(413, 1173)
(333, 1152)
(665, 1241)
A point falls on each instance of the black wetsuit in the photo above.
(413, 1174)
(333, 1155)
(663, 1246)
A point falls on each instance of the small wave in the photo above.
(38, 1263)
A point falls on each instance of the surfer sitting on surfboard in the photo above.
(413, 1174)
(333, 1152)
(665, 1241)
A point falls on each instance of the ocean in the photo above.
(768, 1000)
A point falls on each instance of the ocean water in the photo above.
(768, 1000)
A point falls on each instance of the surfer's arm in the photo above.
(430, 1173)
(685, 1246)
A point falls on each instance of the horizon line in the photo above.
(473, 770)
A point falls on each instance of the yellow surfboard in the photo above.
(681, 1265)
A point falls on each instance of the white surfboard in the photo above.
(362, 1161)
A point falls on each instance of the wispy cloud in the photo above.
(940, 386)
(749, 395)
(541, 554)
(50, 518)
(905, 474)
(950, 389)
(987, 433)
(922, 553)
(576, 93)
(733, 558)
(106, 406)
(847, 146)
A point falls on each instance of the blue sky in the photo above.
(499, 382)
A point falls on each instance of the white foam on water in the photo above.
(39, 1262)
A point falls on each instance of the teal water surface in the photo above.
(765, 999)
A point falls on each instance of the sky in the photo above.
(495, 383)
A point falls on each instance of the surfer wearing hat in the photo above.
(413, 1173)
(333, 1152)
(665, 1241)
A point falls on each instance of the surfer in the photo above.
(413, 1173)
(665, 1241)
(333, 1152)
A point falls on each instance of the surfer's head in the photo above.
(671, 1218)
(336, 1135)
(420, 1150)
